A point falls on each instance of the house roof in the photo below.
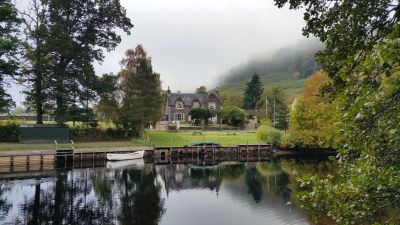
(188, 98)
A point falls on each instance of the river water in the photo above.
(227, 193)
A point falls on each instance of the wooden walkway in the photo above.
(47, 160)
(187, 154)
(43, 160)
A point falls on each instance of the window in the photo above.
(179, 105)
(179, 117)
(212, 105)
(196, 104)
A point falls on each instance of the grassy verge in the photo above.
(111, 144)
(158, 138)
(166, 138)
(104, 125)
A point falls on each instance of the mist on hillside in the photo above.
(297, 60)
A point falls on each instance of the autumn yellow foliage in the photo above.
(312, 120)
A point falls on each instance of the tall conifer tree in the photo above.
(8, 49)
(141, 105)
(252, 94)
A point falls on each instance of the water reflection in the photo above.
(220, 193)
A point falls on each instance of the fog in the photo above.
(297, 59)
(193, 42)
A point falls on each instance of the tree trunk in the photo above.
(60, 94)
(60, 108)
(141, 130)
(38, 95)
(39, 112)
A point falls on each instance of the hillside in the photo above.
(289, 67)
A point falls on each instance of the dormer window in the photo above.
(212, 105)
(179, 105)
(196, 104)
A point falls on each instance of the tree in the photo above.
(201, 115)
(233, 115)
(369, 176)
(276, 110)
(312, 119)
(70, 35)
(230, 98)
(361, 57)
(9, 43)
(107, 89)
(141, 87)
(252, 94)
(201, 90)
(269, 135)
(345, 27)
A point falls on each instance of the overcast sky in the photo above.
(192, 42)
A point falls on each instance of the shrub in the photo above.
(265, 122)
(233, 115)
(269, 135)
(201, 115)
(287, 141)
(85, 134)
(9, 131)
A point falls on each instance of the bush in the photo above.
(201, 115)
(269, 135)
(265, 122)
(233, 115)
(287, 141)
(9, 131)
(84, 134)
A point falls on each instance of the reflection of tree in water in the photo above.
(270, 178)
(275, 180)
(233, 172)
(67, 201)
(103, 187)
(4, 204)
(298, 167)
(140, 198)
(200, 174)
(90, 197)
(254, 183)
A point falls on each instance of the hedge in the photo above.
(81, 134)
(9, 131)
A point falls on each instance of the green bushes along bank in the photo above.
(9, 133)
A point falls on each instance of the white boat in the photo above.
(125, 156)
(133, 163)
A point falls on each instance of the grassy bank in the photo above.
(166, 138)
(158, 138)
(111, 144)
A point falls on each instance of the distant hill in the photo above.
(288, 67)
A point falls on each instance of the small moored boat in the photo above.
(133, 163)
(125, 156)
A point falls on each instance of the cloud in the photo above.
(192, 42)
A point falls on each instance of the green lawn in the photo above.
(158, 138)
(110, 144)
(169, 138)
